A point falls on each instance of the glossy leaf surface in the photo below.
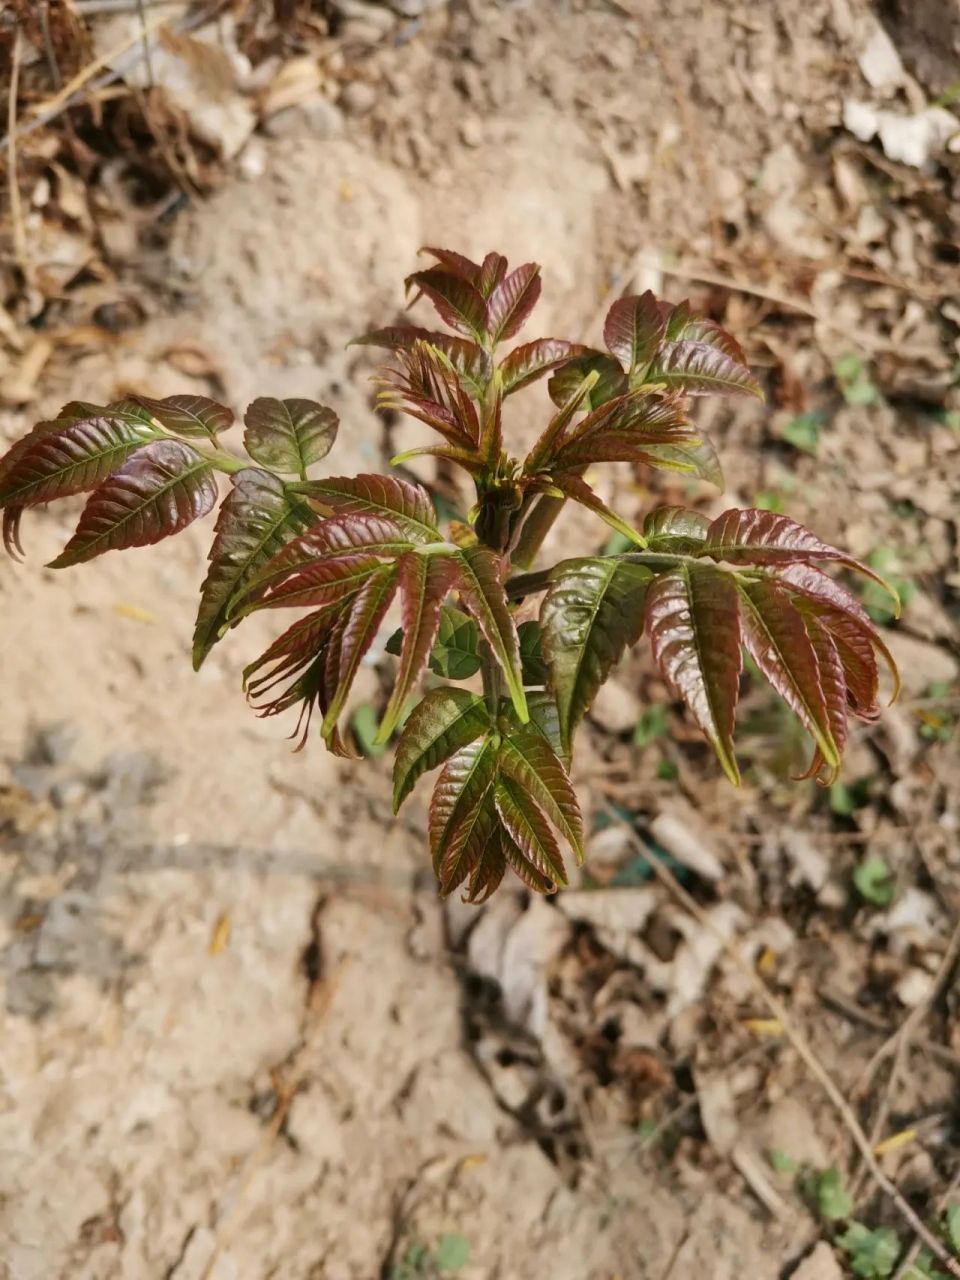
(163, 488)
(289, 435)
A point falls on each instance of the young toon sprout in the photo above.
(340, 550)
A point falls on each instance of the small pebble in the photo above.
(914, 987)
(358, 98)
(471, 132)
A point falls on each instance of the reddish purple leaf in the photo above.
(575, 487)
(359, 630)
(458, 303)
(492, 271)
(256, 520)
(526, 363)
(424, 582)
(752, 536)
(460, 823)
(693, 621)
(527, 758)
(512, 301)
(320, 583)
(405, 505)
(446, 720)
(480, 583)
(58, 459)
(777, 640)
(633, 330)
(191, 416)
(530, 831)
(489, 871)
(833, 684)
(699, 369)
(163, 488)
(457, 263)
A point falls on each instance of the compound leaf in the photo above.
(592, 610)
(445, 721)
(256, 520)
(157, 492)
(289, 435)
(693, 621)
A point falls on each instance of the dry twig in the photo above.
(16, 211)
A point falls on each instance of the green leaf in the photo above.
(366, 612)
(873, 1254)
(633, 330)
(458, 302)
(480, 584)
(777, 640)
(611, 380)
(803, 432)
(462, 818)
(256, 520)
(453, 1252)
(512, 301)
(874, 881)
(289, 435)
(191, 416)
(406, 505)
(69, 456)
(592, 610)
(545, 717)
(531, 654)
(693, 621)
(363, 722)
(529, 830)
(423, 582)
(526, 363)
(651, 726)
(699, 459)
(527, 757)
(675, 529)
(698, 369)
(445, 721)
(157, 492)
(833, 1200)
(456, 653)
